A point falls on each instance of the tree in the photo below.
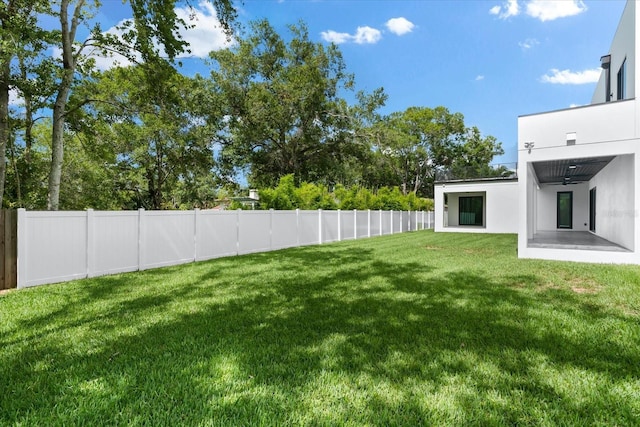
(284, 112)
(473, 158)
(19, 34)
(158, 139)
(411, 146)
(154, 23)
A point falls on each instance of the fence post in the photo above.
(423, 220)
(368, 222)
(141, 248)
(8, 266)
(320, 226)
(196, 220)
(238, 231)
(22, 248)
(339, 226)
(355, 224)
(391, 215)
(297, 227)
(91, 252)
(380, 233)
(271, 229)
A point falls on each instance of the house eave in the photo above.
(579, 107)
(478, 180)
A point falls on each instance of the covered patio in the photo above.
(580, 240)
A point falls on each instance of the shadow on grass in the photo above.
(321, 335)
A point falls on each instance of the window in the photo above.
(471, 209)
(621, 80)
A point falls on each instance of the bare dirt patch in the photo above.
(581, 290)
(583, 286)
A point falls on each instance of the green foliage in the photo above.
(285, 113)
(147, 136)
(410, 146)
(287, 196)
(158, 137)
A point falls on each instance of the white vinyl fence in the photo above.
(60, 246)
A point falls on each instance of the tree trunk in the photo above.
(57, 148)
(4, 121)
(68, 33)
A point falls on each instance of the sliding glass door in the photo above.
(471, 209)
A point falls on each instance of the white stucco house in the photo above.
(485, 205)
(577, 196)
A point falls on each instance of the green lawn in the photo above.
(411, 329)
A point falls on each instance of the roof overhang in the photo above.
(569, 171)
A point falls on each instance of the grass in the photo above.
(412, 329)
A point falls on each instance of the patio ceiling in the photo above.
(569, 171)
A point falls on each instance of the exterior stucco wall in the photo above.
(547, 205)
(622, 47)
(613, 121)
(616, 214)
(500, 206)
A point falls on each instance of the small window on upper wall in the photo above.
(621, 80)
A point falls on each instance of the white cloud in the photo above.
(14, 97)
(567, 77)
(544, 10)
(400, 26)
(575, 105)
(506, 10)
(363, 35)
(528, 44)
(204, 35)
(335, 37)
(548, 10)
(207, 33)
(367, 35)
(480, 77)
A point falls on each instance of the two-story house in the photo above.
(576, 196)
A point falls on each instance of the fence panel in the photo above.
(52, 248)
(309, 227)
(397, 221)
(114, 242)
(362, 224)
(59, 246)
(284, 229)
(167, 238)
(386, 222)
(330, 226)
(254, 231)
(217, 234)
(347, 225)
(376, 223)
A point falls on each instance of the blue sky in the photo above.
(489, 60)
